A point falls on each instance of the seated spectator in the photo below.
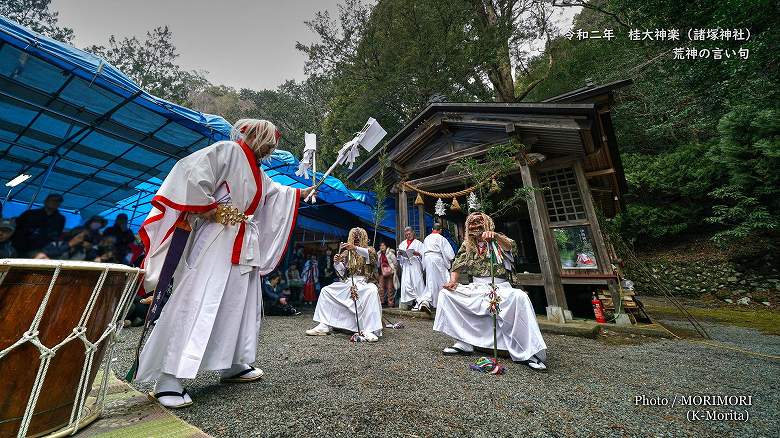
(106, 251)
(293, 281)
(73, 245)
(137, 252)
(293, 276)
(93, 227)
(7, 250)
(124, 237)
(38, 227)
(274, 301)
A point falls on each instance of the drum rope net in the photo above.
(78, 332)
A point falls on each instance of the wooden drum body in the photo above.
(58, 319)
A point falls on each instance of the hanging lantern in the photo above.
(494, 186)
(419, 200)
(455, 206)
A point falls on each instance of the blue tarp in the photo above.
(82, 128)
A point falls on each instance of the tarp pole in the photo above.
(135, 207)
(52, 163)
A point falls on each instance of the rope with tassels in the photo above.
(449, 195)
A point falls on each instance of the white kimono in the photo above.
(412, 282)
(212, 318)
(336, 308)
(437, 260)
(463, 315)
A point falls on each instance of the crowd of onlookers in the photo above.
(40, 234)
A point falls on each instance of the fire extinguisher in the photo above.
(598, 309)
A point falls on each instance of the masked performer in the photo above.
(463, 311)
(438, 256)
(212, 318)
(356, 264)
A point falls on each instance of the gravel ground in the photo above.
(403, 386)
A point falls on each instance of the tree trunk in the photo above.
(499, 66)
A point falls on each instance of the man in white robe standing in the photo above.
(463, 312)
(436, 261)
(336, 308)
(212, 318)
(410, 257)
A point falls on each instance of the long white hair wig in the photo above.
(261, 136)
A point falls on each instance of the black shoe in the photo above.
(137, 322)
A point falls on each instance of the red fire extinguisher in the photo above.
(598, 309)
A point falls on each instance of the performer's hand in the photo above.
(488, 235)
(147, 300)
(416, 254)
(283, 301)
(306, 192)
(450, 285)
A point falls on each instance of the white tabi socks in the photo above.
(169, 383)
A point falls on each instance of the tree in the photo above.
(222, 100)
(502, 30)
(381, 190)
(151, 63)
(748, 203)
(297, 108)
(36, 15)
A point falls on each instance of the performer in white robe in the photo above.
(437, 259)
(336, 308)
(212, 317)
(412, 281)
(463, 312)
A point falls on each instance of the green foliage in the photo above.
(479, 173)
(697, 136)
(748, 203)
(381, 190)
(152, 64)
(36, 15)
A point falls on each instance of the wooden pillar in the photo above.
(602, 256)
(553, 288)
(421, 213)
(403, 215)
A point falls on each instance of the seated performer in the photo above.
(212, 318)
(356, 264)
(463, 312)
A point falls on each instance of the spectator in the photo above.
(274, 301)
(311, 281)
(93, 226)
(137, 252)
(7, 250)
(293, 280)
(73, 245)
(38, 227)
(106, 251)
(388, 275)
(124, 237)
(326, 268)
